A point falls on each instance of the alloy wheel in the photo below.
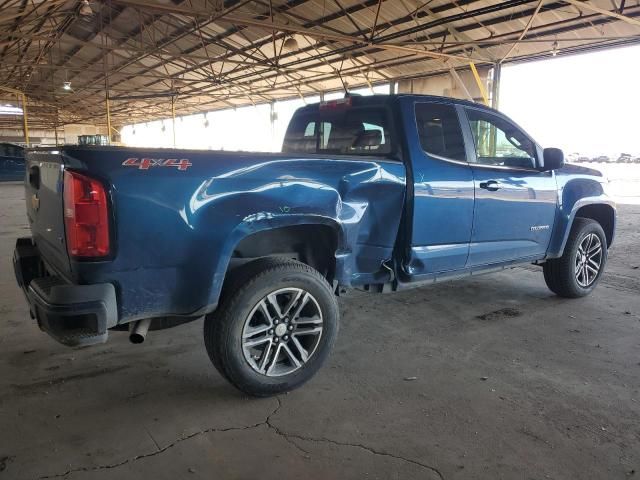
(588, 260)
(282, 332)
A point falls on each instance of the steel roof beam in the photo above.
(524, 32)
(618, 16)
(351, 48)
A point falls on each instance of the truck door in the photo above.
(441, 212)
(515, 203)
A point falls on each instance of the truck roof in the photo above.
(385, 99)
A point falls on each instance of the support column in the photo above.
(25, 122)
(55, 127)
(108, 109)
(106, 102)
(481, 87)
(20, 97)
(495, 86)
(173, 118)
(272, 121)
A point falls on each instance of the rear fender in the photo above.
(255, 225)
(362, 205)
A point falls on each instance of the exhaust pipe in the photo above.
(138, 330)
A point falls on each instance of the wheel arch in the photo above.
(601, 209)
(602, 213)
(269, 236)
(314, 244)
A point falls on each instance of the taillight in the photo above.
(86, 218)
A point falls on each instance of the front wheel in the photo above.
(275, 327)
(580, 268)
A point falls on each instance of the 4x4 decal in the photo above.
(147, 163)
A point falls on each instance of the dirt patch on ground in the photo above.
(500, 314)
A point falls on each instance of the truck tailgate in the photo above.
(45, 210)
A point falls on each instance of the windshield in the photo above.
(349, 131)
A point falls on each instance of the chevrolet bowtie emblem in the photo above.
(35, 202)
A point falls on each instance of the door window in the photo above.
(439, 131)
(500, 143)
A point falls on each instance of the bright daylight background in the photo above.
(227, 129)
(588, 105)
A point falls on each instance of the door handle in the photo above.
(491, 185)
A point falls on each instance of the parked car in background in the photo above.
(635, 160)
(93, 140)
(11, 162)
(624, 158)
(584, 159)
(378, 193)
(601, 159)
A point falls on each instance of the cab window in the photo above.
(350, 131)
(439, 131)
(500, 143)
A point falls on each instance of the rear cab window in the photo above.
(340, 130)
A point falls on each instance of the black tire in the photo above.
(246, 287)
(560, 273)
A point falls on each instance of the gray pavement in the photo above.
(510, 382)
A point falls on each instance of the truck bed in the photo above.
(177, 214)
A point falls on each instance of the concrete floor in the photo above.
(511, 382)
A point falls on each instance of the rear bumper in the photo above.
(72, 314)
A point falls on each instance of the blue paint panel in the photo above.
(577, 188)
(437, 258)
(491, 252)
(176, 230)
(442, 206)
(515, 221)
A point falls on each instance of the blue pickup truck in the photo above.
(378, 193)
(12, 163)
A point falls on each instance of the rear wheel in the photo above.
(275, 327)
(578, 271)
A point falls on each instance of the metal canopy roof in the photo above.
(210, 54)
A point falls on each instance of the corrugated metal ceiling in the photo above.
(208, 54)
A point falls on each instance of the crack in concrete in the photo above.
(288, 437)
(161, 450)
(279, 432)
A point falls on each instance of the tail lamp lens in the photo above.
(85, 216)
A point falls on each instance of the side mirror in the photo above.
(553, 159)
